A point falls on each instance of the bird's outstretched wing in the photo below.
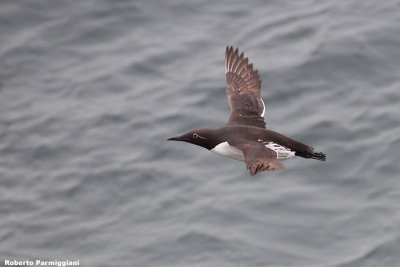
(258, 157)
(243, 90)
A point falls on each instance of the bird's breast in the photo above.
(226, 150)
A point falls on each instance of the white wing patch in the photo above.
(262, 115)
(281, 151)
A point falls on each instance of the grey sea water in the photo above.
(90, 90)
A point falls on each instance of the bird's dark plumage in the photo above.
(244, 136)
(243, 90)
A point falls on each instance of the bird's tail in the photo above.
(318, 156)
(310, 154)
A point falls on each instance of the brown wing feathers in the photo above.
(246, 77)
(243, 90)
(259, 158)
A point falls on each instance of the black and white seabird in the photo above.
(245, 137)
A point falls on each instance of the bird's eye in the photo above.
(195, 135)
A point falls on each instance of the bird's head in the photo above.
(201, 137)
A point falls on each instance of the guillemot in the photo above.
(245, 137)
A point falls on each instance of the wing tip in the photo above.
(233, 59)
(231, 56)
(228, 55)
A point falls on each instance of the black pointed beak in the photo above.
(178, 138)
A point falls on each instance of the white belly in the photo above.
(226, 150)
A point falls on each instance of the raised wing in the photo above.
(259, 158)
(243, 90)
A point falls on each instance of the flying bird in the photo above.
(245, 137)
